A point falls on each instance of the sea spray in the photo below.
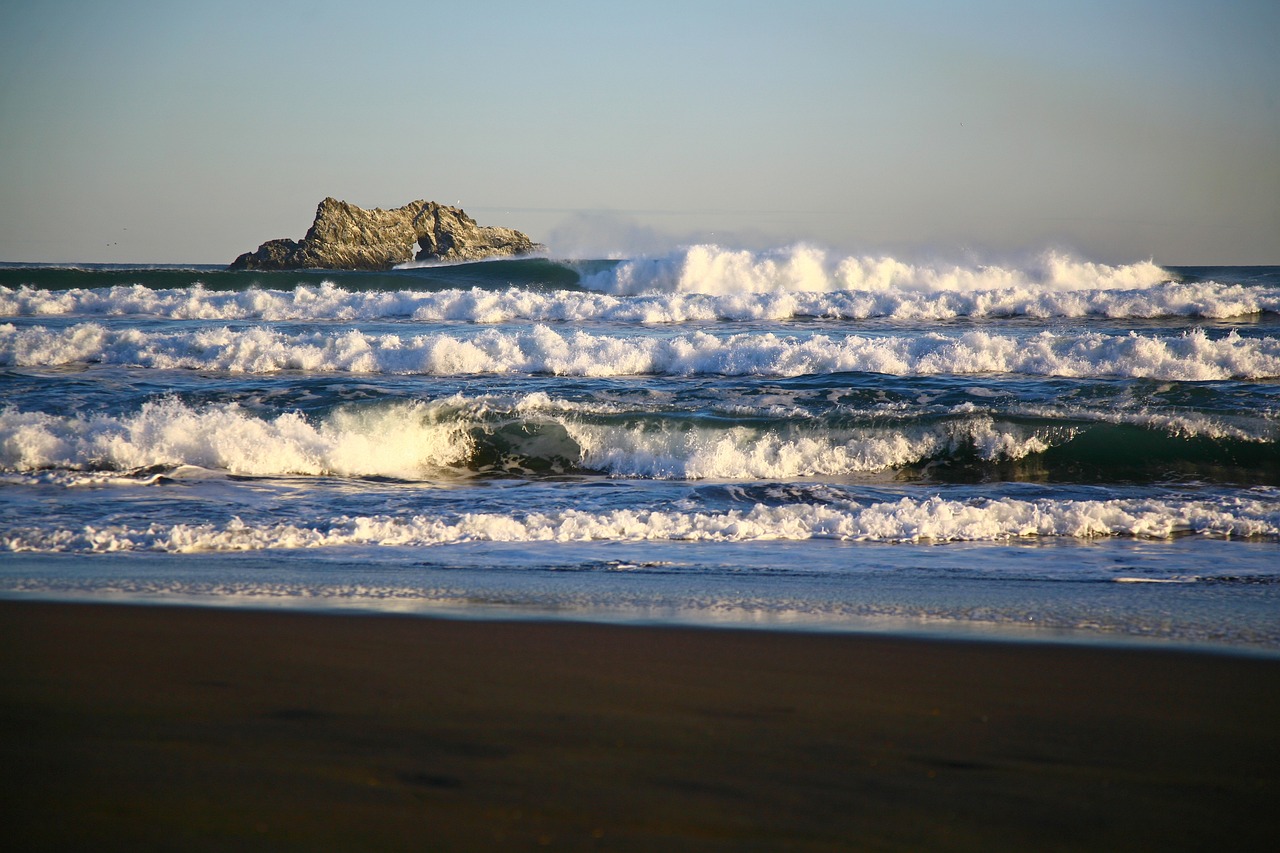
(712, 269)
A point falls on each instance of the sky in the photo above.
(189, 132)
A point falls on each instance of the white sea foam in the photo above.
(416, 440)
(328, 303)
(407, 440)
(932, 519)
(701, 284)
(749, 453)
(713, 269)
(1191, 356)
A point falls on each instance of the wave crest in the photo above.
(405, 440)
(1192, 356)
(462, 436)
(416, 440)
(933, 519)
(711, 269)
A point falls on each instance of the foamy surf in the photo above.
(908, 520)
(625, 295)
(1190, 356)
(464, 436)
(423, 440)
(410, 441)
(765, 431)
(712, 269)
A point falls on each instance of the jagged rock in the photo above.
(346, 237)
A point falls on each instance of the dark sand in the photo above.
(203, 729)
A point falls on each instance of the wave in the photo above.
(330, 302)
(407, 441)
(701, 283)
(414, 440)
(932, 519)
(1191, 356)
(711, 269)
(460, 436)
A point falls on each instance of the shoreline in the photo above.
(177, 727)
(890, 627)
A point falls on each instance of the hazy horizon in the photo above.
(148, 132)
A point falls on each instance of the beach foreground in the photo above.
(203, 729)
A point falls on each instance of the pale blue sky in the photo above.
(192, 131)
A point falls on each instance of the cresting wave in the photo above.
(409, 441)
(416, 440)
(932, 519)
(534, 434)
(1192, 356)
(329, 302)
(882, 288)
(711, 269)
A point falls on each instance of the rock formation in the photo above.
(346, 237)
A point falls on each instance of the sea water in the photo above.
(793, 438)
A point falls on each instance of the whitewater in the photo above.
(1046, 448)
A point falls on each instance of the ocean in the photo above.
(793, 439)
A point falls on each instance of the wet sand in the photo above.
(129, 727)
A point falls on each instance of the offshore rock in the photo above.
(346, 237)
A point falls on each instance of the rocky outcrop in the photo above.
(346, 237)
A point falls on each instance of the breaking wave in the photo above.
(932, 519)
(330, 303)
(407, 441)
(1191, 356)
(414, 440)
(459, 436)
(715, 270)
(697, 284)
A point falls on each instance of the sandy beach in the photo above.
(133, 727)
